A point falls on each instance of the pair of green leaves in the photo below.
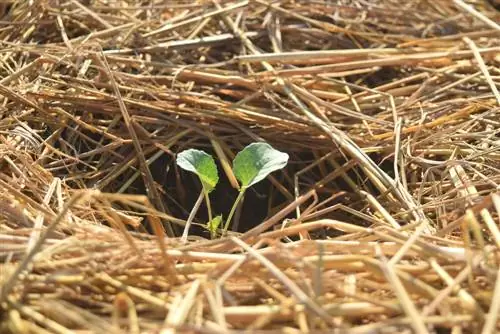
(250, 166)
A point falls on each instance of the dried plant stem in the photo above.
(386, 214)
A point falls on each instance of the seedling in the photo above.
(253, 164)
(250, 166)
(213, 225)
(203, 165)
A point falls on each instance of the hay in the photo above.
(386, 219)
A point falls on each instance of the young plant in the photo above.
(253, 164)
(213, 225)
(203, 165)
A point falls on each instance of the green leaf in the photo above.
(213, 225)
(202, 164)
(256, 161)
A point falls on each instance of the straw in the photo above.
(385, 218)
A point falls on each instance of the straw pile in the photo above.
(385, 221)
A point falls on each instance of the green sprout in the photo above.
(213, 225)
(203, 165)
(250, 166)
(253, 164)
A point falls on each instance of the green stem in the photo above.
(233, 209)
(191, 216)
(209, 207)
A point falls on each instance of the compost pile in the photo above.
(385, 220)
